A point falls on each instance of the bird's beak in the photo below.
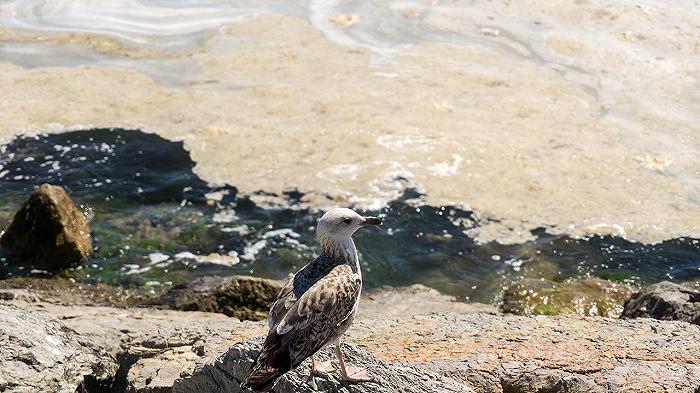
(371, 221)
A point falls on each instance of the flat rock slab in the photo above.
(39, 353)
(506, 353)
(166, 351)
(391, 302)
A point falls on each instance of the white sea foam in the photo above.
(157, 257)
(447, 168)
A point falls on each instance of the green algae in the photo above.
(587, 296)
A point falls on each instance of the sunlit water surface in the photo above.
(156, 223)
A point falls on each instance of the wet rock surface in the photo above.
(243, 297)
(48, 231)
(665, 300)
(164, 350)
(590, 297)
(59, 290)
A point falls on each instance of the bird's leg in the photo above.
(321, 368)
(350, 373)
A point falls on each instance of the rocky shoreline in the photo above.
(58, 334)
(414, 340)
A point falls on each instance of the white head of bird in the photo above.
(341, 224)
(335, 230)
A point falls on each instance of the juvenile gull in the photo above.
(316, 306)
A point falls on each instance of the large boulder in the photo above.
(48, 231)
(243, 297)
(665, 300)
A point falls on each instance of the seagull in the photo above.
(316, 306)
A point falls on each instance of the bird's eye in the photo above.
(347, 220)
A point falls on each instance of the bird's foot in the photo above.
(357, 374)
(322, 367)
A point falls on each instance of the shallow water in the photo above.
(147, 206)
(580, 118)
(499, 139)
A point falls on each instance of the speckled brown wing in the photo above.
(318, 317)
(282, 304)
(295, 288)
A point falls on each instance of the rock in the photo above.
(563, 353)
(667, 301)
(48, 231)
(250, 298)
(591, 297)
(19, 294)
(174, 351)
(39, 353)
(243, 297)
(205, 360)
(227, 372)
(414, 300)
(65, 291)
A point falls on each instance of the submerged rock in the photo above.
(48, 231)
(590, 297)
(243, 297)
(665, 300)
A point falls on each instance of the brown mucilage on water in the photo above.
(316, 306)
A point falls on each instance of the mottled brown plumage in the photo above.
(317, 305)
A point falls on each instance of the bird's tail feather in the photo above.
(272, 362)
(263, 379)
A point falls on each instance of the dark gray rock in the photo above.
(665, 300)
(48, 231)
(243, 297)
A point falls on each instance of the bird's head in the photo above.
(341, 223)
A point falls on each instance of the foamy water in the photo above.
(580, 118)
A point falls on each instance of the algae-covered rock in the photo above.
(665, 300)
(48, 231)
(243, 297)
(591, 297)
